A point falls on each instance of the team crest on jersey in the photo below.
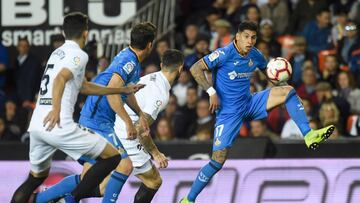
(214, 56)
(128, 67)
(76, 60)
(251, 63)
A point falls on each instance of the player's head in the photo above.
(142, 37)
(75, 27)
(246, 36)
(172, 61)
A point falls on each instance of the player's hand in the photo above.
(53, 118)
(131, 131)
(144, 124)
(214, 103)
(132, 88)
(160, 159)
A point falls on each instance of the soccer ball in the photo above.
(278, 70)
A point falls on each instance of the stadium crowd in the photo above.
(320, 39)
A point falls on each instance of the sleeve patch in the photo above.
(76, 60)
(128, 67)
(214, 56)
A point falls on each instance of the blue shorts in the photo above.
(106, 130)
(227, 127)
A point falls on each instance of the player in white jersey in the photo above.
(63, 79)
(152, 99)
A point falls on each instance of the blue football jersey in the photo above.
(231, 76)
(127, 66)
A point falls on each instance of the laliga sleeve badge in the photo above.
(76, 60)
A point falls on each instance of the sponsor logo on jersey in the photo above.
(45, 101)
(233, 74)
(76, 60)
(128, 67)
(214, 56)
(236, 63)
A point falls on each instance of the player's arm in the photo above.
(132, 103)
(60, 80)
(90, 88)
(197, 71)
(148, 143)
(117, 105)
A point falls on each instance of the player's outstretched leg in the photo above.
(151, 182)
(287, 94)
(24, 192)
(206, 173)
(117, 180)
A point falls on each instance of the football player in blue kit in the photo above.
(230, 98)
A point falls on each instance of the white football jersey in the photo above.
(152, 99)
(69, 56)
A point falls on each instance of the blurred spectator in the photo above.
(14, 120)
(151, 68)
(347, 89)
(4, 65)
(290, 129)
(353, 125)
(349, 43)
(331, 69)
(191, 31)
(354, 14)
(233, 13)
(208, 27)
(267, 35)
(164, 130)
(298, 59)
(189, 109)
(307, 89)
(304, 12)
(202, 129)
(338, 30)
(91, 66)
(26, 74)
(253, 14)
(180, 89)
(222, 35)
(201, 49)
(341, 5)
(258, 129)
(277, 118)
(324, 94)
(5, 134)
(161, 46)
(355, 65)
(329, 114)
(264, 49)
(318, 33)
(102, 64)
(175, 117)
(278, 12)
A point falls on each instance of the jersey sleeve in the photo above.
(124, 70)
(154, 106)
(214, 59)
(75, 62)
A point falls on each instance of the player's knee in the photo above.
(125, 166)
(155, 183)
(113, 161)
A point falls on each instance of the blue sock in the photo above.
(66, 185)
(203, 178)
(297, 112)
(114, 186)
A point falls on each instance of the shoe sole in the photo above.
(324, 136)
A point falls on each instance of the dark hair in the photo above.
(142, 34)
(57, 38)
(321, 11)
(247, 25)
(23, 39)
(75, 24)
(172, 59)
(202, 37)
